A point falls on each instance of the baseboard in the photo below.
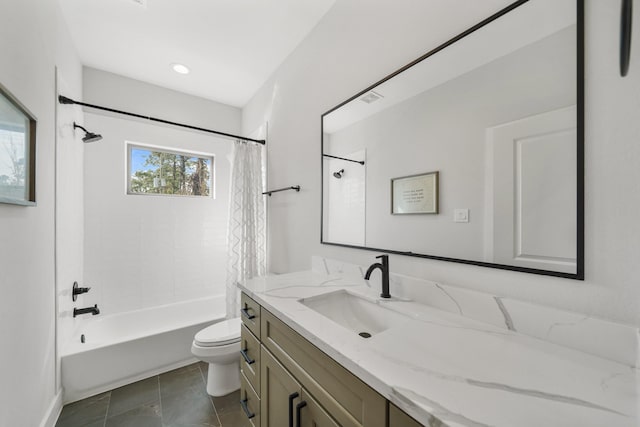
(53, 412)
(106, 387)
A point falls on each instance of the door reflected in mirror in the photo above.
(498, 113)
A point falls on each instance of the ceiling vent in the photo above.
(142, 3)
(370, 97)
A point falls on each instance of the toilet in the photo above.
(219, 346)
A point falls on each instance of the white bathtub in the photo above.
(126, 347)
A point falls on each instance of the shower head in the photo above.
(89, 136)
(338, 174)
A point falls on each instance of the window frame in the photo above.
(30, 137)
(130, 145)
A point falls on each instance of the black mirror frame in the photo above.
(580, 273)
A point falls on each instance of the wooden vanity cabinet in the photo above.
(250, 362)
(398, 418)
(296, 384)
(280, 393)
(348, 400)
(250, 357)
(250, 404)
(285, 401)
(313, 415)
(250, 314)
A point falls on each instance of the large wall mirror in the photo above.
(473, 153)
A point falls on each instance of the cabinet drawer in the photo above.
(250, 359)
(250, 314)
(350, 401)
(250, 404)
(397, 418)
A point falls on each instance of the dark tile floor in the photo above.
(174, 399)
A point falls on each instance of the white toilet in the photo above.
(219, 346)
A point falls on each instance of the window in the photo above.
(17, 152)
(153, 170)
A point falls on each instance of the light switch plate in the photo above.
(461, 215)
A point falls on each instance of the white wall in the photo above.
(122, 93)
(33, 41)
(358, 43)
(142, 251)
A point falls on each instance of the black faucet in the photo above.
(384, 268)
(93, 310)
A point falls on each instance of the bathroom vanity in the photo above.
(297, 381)
(305, 363)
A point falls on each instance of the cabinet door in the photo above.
(312, 414)
(397, 418)
(280, 393)
(350, 401)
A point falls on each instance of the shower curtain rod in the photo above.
(65, 100)
(344, 158)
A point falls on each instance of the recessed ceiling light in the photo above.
(179, 68)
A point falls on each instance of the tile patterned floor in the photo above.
(174, 399)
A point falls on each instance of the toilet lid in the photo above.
(221, 333)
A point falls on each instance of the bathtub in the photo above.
(126, 347)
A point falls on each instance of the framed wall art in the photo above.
(415, 194)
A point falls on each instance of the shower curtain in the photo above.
(247, 222)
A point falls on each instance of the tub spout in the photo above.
(93, 310)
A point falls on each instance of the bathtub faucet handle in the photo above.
(77, 291)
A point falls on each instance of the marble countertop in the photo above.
(460, 371)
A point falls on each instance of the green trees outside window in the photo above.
(155, 171)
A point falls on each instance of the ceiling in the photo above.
(230, 46)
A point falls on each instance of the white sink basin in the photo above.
(355, 313)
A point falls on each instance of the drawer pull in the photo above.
(246, 410)
(299, 407)
(291, 397)
(245, 313)
(246, 357)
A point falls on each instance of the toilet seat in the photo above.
(219, 334)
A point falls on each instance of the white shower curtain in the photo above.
(247, 222)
